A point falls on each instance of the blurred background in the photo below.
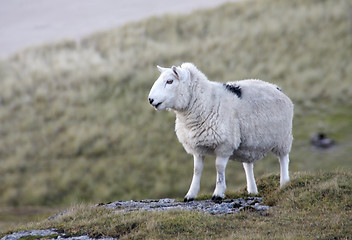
(75, 123)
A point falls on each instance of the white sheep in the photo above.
(241, 120)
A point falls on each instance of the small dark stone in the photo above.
(248, 208)
(237, 205)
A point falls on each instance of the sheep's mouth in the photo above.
(157, 105)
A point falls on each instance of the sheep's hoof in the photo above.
(217, 199)
(186, 199)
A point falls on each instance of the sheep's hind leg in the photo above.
(251, 185)
(284, 175)
(220, 188)
(194, 188)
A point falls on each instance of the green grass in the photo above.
(76, 125)
(311, 206)
(12, 217)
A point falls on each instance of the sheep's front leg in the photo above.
(197, 173)
(251, 185)
(284, 175)
(220, 188)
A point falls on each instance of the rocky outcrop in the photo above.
(227, 206)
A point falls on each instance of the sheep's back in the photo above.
(265, 116)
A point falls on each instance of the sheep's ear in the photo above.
(180, 73)
(161, 69)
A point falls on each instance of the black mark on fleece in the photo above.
(234, 89)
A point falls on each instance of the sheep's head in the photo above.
(171, 89)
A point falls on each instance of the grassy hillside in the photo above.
(312, 206)
(76, 124)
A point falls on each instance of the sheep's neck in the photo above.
(199, 111)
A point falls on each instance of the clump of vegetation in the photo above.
(76, 124)
(311, 206)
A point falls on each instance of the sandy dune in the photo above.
(24, 23)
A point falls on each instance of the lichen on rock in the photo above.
(226, 206)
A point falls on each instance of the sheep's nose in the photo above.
(151, 100)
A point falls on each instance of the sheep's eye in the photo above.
(170, 81)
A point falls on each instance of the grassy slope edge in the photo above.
(76, 116)
(311, 206)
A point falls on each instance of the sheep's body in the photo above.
(244, 128)
(241, 120)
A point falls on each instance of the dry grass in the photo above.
(12, 217)
(76, 124)
(312, 206)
